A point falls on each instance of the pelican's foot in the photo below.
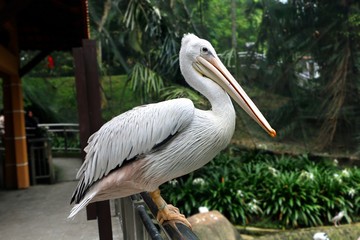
(167, 212)
(171, 213)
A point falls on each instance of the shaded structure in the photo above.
(45, 26)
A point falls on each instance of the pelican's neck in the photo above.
(218, 98)
(220, 101)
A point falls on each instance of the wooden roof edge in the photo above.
(86, 18)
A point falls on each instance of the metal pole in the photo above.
(148, 224)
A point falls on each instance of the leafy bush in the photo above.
(292, 200)
(248, 187)
(332, 193)
(186, 193)
(61, 142)
(216, 187)
(354, 190)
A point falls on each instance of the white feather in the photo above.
(321, 236)
(85, 201)
(131, 134)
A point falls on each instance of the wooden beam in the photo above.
(83, 109)
(33, 62)
(89, 110)
(16, 159)
(9, 9)
(8, 62)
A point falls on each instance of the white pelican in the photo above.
(336, 220)
(149, 145)
(321, 236)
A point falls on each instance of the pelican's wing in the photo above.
(131, 134)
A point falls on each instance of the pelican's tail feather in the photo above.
(84, 202)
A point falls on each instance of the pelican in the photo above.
(321, 236)
(336, 220)
(149, 145)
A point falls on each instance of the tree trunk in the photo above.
(234, 36)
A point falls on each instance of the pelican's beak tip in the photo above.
(272, 133)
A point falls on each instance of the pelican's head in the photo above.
(193, 46)
(199, 55)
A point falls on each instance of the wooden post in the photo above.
(16, 160)
(89, 109)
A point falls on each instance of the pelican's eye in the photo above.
(204, 49)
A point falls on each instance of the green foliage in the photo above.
(36, 93)
(62, 105)
(321, 32)
(63, 64)
(230, 197)
(145, 82)
(213, 21)
(292, 200)
(354, 190)
(188, 196)
(177, 91)
(118, 96)
(333, 188)
(61, 142)
(139, 32)
(52, 99)
(250, 187)
(142, 37)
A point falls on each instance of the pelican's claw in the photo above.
(171, 213)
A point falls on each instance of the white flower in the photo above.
(351, 192)
(345, 173)
(203, 209)
(336, 162)
(198, 181)
(273, 171)
(337, 177)
(311, 176)
(239, 193)
(262, 146)
(173, 182)
(254, 207)
(308, 175)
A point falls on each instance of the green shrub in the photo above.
(353, 193)
(291, 200)
(186, 193)
(333, 188)
(287, 191)
(231, 198)
(60, 142)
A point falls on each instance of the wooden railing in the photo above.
(64, 136)
(40, 160)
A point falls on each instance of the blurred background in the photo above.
(298, 61)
